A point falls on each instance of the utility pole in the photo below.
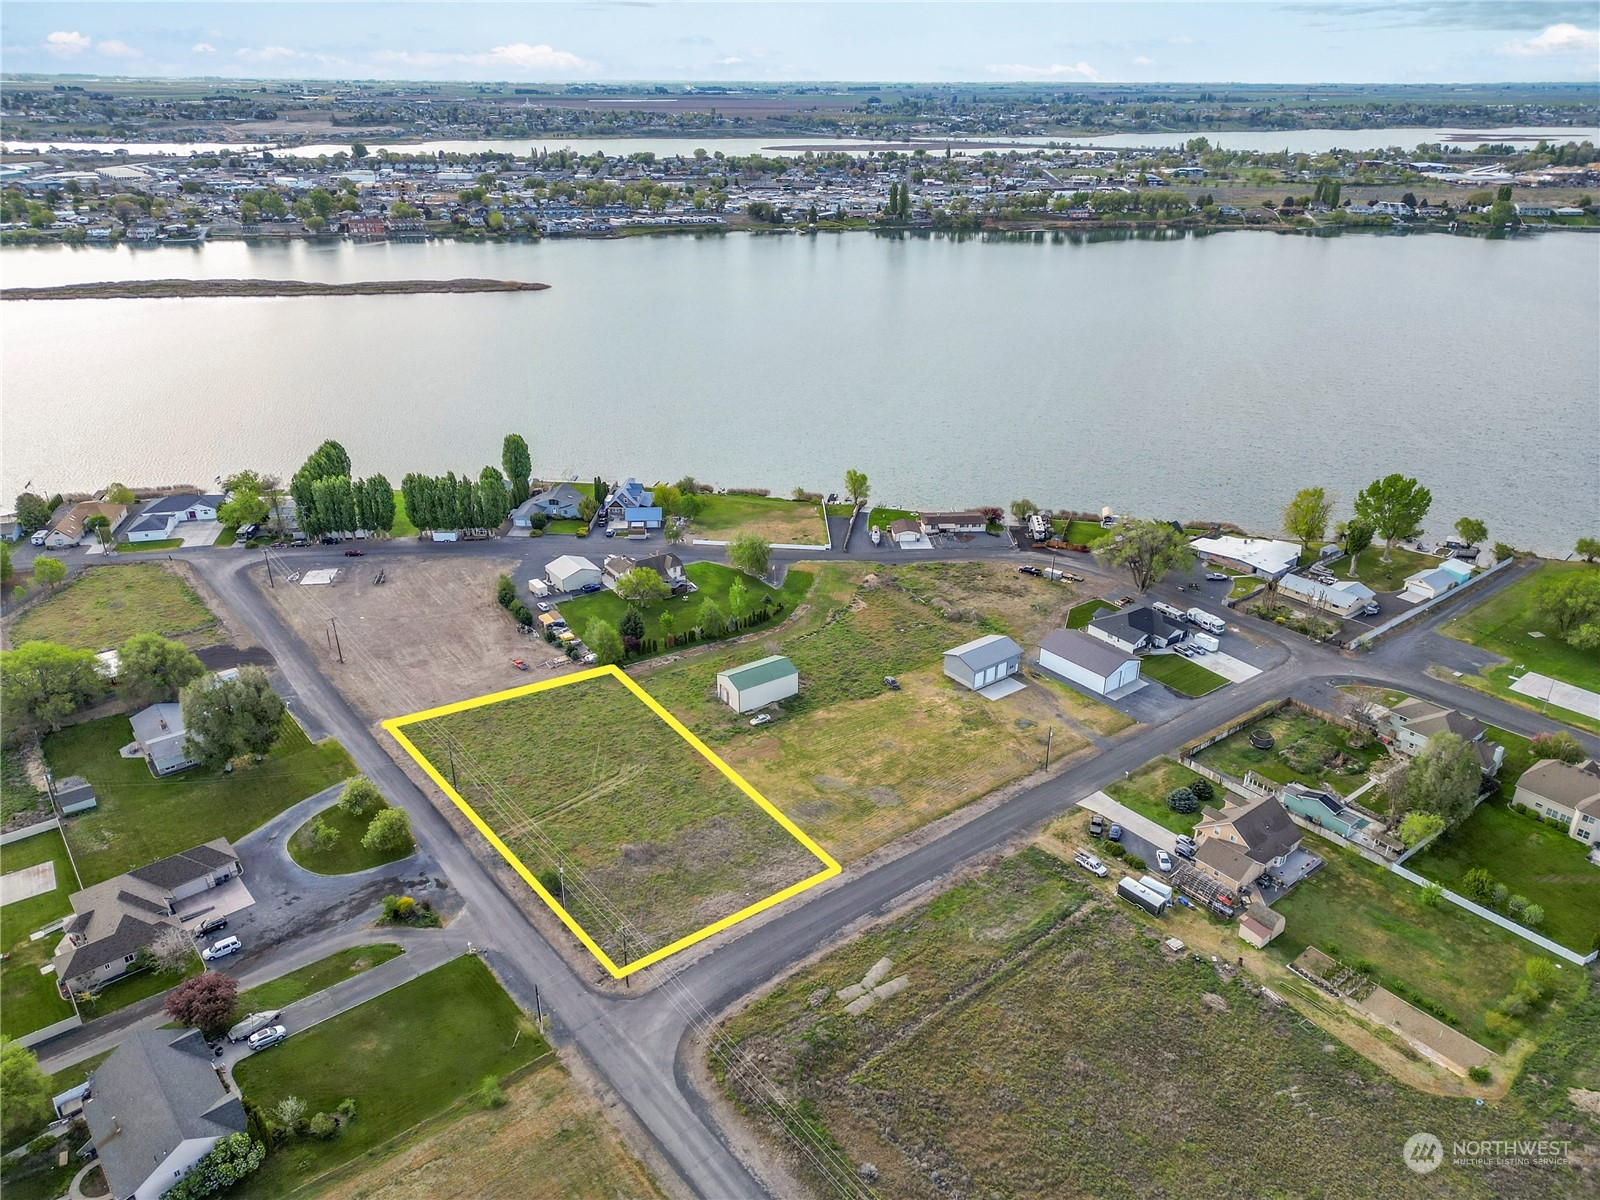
(627, 980)
(334, 621)
(561, 883)
(267, 558)
(1049, 740)
(538, 1008)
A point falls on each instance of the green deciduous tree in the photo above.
(1023, 509)
(360, 797)
(33, 512)
(100, 526)
(604, 641)
(751, 554)
(642, 586)
(246, 506)
(119, 493)
(154, 669)
(1146, 549)
(1568, 601)
(1305, 518)
(518, 464)
(1444, 779)
(389, 831)
(1357, 537)
(491, 499)
(49, 571)
(1472, 531)
(229, 717)
(1419, 826)
(42, 684)
(739, 600)
(711, 622)
(1561, 746)
(1588, 549)
(229, 1161)
(1394, 507)
(324, 837)
(667, 623)
(26, 1090)
(327, 461)
(856, 486)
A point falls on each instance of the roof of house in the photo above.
(986, 651)
(157, 725)
(763, 670)
(1566, 784)
(1090, 653)
(1261, 554)
(528, 507)
(149, 523)
(904, 526)
(111, 931)
(1131, 624)
(1426, 719)
(178, 869)
(71, 522)
(1344, 591)
(183, 502)
(1230, 860)
(1436, 577)
(664, 564)
(1265, 827)
(641, 514)
(954, 518)
(569, 564)
(617, 565)
(630, 494)
(156, 1091)
(1454, 566)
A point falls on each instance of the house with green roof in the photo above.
(756, 684)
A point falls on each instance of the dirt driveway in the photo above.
(431, 633)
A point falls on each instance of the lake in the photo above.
(1198, 377)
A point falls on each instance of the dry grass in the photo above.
(550, 1139)
(777, 520)
(107, 605)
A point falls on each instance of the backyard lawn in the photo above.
(773, 518)
(1305, 750)
(345, 856)
(137, 986)
(141, 818)
(884, 517)
(1182, 675)
(1352, 908)
(1082, 614)
(1080, 533)
(106, 605)
(409, 1055)
(566, 525)
(1533, 858)
(1147, 789)
(1383, 576)
(317, 977)
(711, 580)
(29, 1000)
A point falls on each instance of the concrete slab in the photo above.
(37, 880)
(216, 902)
(1564, 695)
(1234, 670)
(320, 577)
(198, 533)
(1134, 822)
(1002, 688)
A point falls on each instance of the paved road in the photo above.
(641, 1044)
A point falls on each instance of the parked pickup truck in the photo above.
(252, 1023)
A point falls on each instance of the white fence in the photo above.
(1487, 914)
(28, 831)
(1423, 607)
(49, 1031)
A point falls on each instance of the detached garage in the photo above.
(977, 664)
(569, 573)
(759, 683)
(1092, 664)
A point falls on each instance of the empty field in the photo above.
(107, 605)
(656, 842)
(723, 518)
(1044, 1045)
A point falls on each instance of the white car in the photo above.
(227, 946)
(543, 607)
(763, 719)
(269, 1036)
(1164, 862)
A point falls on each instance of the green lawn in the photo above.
(1147, 789)
(1080, 533)
(317, 977)
(18, 795)
(106, 605)
(404, 1057)
(884, 517)
(29, 1000)
(1533, 858)
(1305, 750)
(1444, 953)
(149, 547)
(1182, 675)
(347, 855)
(1507, 624)
(1383, 576)
(402, 523)
(141, 818)
(37, 1176)
(1082, 614)
(712, 581)
(772, 517)
(141, 985)
(228, 537)
(568, 525)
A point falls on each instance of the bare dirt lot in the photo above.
(430, 634)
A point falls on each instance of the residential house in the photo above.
(1565, 792)
(1344, 598)
(569, 573)
(667, 565)
(983, 661)
(156, 1107)
(1139, 628)
(905, 533)
(162, 738)
(1092, 663)
(628, 494)
(1238, 844)
(1461, 569)
(187, 506)
(638, 519)
(953, 522)
(1267, 557)
(759, 683)
(10, 528)
(559, 502)
(113, 921)
(1428, 585)
(1413, 723)
(69, 528)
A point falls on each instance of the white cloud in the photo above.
(1054, 71)
(519, 56)
(1142, 61)
(263, 54)
(732, 60)
(1182, 39)
(112, 48)
(66, 45)
(202, 48)
(1557, 39)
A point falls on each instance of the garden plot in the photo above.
(1305, 749)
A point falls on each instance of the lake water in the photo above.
(1188, 378)
(1306, 141)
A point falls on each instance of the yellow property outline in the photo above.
(830, 868)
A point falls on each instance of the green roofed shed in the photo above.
(758, 683)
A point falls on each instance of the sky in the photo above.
(1250, 41)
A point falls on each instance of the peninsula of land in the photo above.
(168, 289)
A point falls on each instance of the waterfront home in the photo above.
(953, 522)
(1266, 557)
(1414, 722)
(1564, 792)
(642, 519)
(69, 529)
(1428, 585)
(628, 494)
(1343, 598)
(559, 502)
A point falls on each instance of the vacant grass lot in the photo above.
(1533, 858)
(723, 518)
(1508, 624)
(347, 855)
(1042, 1051)
(712, 582)
(1182, 675)
(1444, 953)
(1082, 614)
(107, 605)
(404, 1057)
(1383, 576)
(587, 776)
(29, 1000)
(1147, 789)
(1305, 750)
(1080, 533)
(141, 818)
(317, 977)
(18, 796)
(402, 521)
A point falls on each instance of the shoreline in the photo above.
(206, 289)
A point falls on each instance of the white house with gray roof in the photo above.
(163, 738)
(983, 661)
(157, 1107)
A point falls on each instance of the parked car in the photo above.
(354, 552)
(1163, 862)
(589, 588)
(762, 719)
(1185, 846)
(270, 1036)
(1216, 577)
(1115, 832)
(890, 682)
(211, 925)
(39, 536)
(246, 532)
(519, 664)
(252, 1024)
(1097, 825)
(1090, 863)
(329, 540)
(543, 607)
(227, 946)
(1370, 609)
